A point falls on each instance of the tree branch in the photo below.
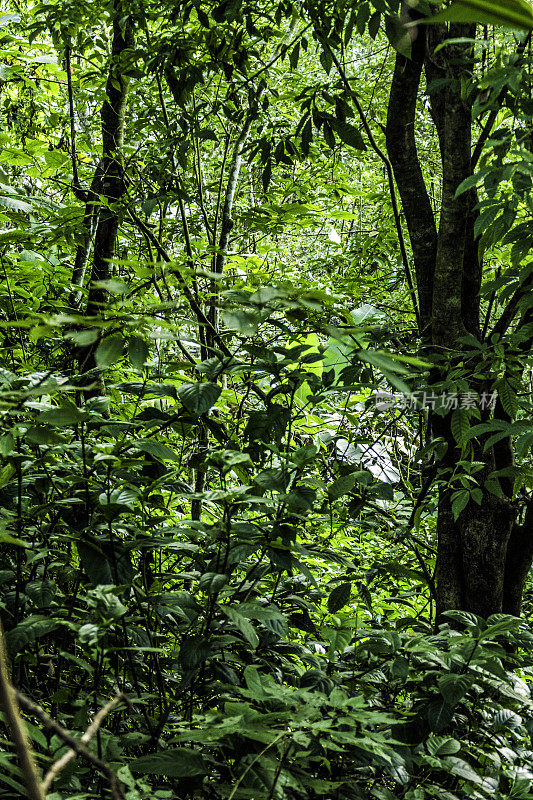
(77, 746)
(390, 177)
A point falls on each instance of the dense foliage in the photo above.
(206, 516)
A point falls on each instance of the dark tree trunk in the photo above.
(112, 172)
(401, 147)
(518, 563)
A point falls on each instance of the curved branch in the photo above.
(390, 177)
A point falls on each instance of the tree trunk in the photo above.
(483, 556)
(112, 180)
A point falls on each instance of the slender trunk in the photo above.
(226, 220)
(518, 563)
(83, 251)
(402, 152)
(113, 187)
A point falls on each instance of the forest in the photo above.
(266, 474)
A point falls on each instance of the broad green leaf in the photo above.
(198, 398)
(7, 444)
(439, 715)
(466, 618)
(148, 389)
(509, 13)
(112, 285)
(348, 134)
(109, 351)
(242, 624)
(138, 352)
(180, 762)
(508, 398)
(460, 425)
(7, 538)
(453, 687)
(463, 770)
(157, 449)
(459, 502)
(66, 415)
(242, 320)
(339, 597)
(442, 746)
(342, 486)
(212, 582)
(12, 204)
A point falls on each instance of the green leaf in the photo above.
(7, 444)
(253, 681)
(41, 592)
(466, 618)
(294, 55)
(442, 746)
(508, 398)
(453, 687)
(138, 352)
(242, 320)
(198, 398)
(242, 624)
(157, 449)
(339, 597)
(470, 182)
(348, 134)
(66, 415)
(181, 762)
(459, 502)
(109, 351)
(386, 362)
(11, 204)
(373, 24)
(509, 13)
(463, 770)
(342, 486)
(112, 285)
(212, 582)
(460, 425)
(439, 715)
(7, 538)
(148, 389)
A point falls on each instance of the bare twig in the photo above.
(62, 762)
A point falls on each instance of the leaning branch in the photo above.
(8, 703)
(390, 177)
